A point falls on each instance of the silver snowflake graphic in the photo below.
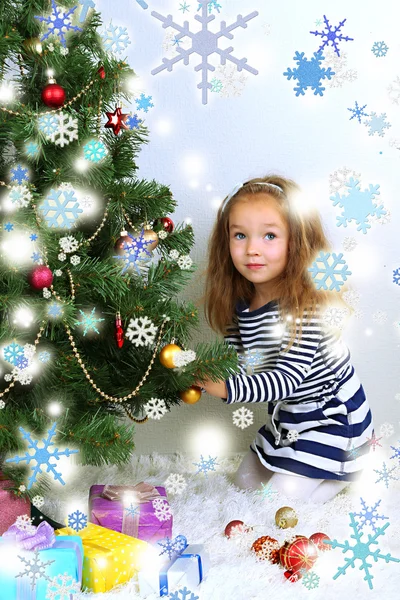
(60, 209)
(386, 475)
(89, 322)
(329, 269)
(35, 568)
(339, 179)
(362, 551)
(62, 587)
(42, 456)
(204, 43)
(394, 91)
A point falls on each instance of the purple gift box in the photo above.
(141, 511)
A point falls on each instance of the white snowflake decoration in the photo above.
(174, 254)
(175, 483)
(20, 196)
(141, 331)
(242, 417)
(292, 435)
(62, 587)
(386, 430)
(162, 509)
(349, 244)
(2, 404)
(68, 244)
(22, 488)
(339, 179)
(155, 408)
(24, 523)
(75, 260)
(379, 316)
(66, 132)
(38, 501)
(334, 317)
(233, 81)
(62, 256)
(394, 91)
(338, 64)
(352, 298)
(58, 272)
(22, 376)
(185, 262)
(64, 51)
(86, 202)
(46, 293)
(181, 359)
(29, 351)
(162, 234)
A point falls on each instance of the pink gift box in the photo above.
(11, 506)
(112, 507)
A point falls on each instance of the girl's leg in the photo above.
(328, 490)
(294, 486)
(251, 473)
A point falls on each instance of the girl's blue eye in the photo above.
(243, 234)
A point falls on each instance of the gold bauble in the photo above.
(149, 235)
(32, 46)
(191, 395)
(286, 517)
(167, 355)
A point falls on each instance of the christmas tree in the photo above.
(93, 334)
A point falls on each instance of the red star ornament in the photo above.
(116, 120)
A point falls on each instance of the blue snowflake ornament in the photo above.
(77, 520)
(379, 49)
(135, 253)
(204, 43)
(206, 465)
(331, 36)
(8, 226)
(309, 73)
(329, 270)
(396, 276)
(86, 4)
(358, 112)
(42, 456)
(368, 515)
(172, 547)
(89, 321)
(61, 208)
(54, 310)
(95, 151)
(44, 356)
(358, 205)
(12, 353)
(58, 23)
(361, 551)
(144, 103)
(32, 149)
(133, 122)
(48, 124)
(396, 452)
(377, 124)
(19, 174)
(115, 39)
(386, 475)
(211, 4)
(183, 594)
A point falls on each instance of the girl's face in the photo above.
(258, 241)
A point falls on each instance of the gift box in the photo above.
(110, 558)
(188, 568)
(11, 506)
(113, 507)
(19, 549)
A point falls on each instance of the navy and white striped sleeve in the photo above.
(290, 371)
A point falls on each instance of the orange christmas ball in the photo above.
(191, 395)
(267, 548)
(167, 355)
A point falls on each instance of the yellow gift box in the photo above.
(110, 558)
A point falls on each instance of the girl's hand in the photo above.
(213, 388)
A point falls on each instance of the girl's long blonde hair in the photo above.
(295, 289)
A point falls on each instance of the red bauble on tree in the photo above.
(166, 222)
(102, 72)
(53, 95)
(41, 277)
(116, 120)
(119, 332)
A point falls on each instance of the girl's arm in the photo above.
(217, 389)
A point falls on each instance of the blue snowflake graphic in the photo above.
(326, 267)
(379, 49)
(251, 359)
(396, 276)
(332, 36)
(142, 3)
(86, 4)
(134, 252)
(361, 551)
(58, 23)
(33, 237)
(54, 310)
(8, 226)
(358, 112)
(216, 85)
(31, 149)
(133, 122)
(184, 7)
(44, 356)
(171, 547)
(211, 5)
(386, 475)
(115, 39)
(12, 352)
(206, 465)
(368, 515)
(95, 151)
(144, 103)
(77, 520)
(89, 321)
(205, 44)
(396, 452)
(358, 205)
(353, 453)
(21, 362)
(377, 124)
(309, 73)
(19, 174)
(267, 492)
(183, 594)
(61, 208)
(36, 257)
(309, 579)
(48, 124)
(42, 456)
(132, 510)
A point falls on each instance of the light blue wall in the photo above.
(202, 150)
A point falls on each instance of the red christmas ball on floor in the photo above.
(166, 222)
(235, 527)
(41, 277)
(318, 539)
(293, 577)
(53, 95)
(300, 554)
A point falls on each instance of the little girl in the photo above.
(260, 295)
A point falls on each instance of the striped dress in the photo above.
(318, 421)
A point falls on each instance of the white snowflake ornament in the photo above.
(46, 293)
(162, 234)
(185, 262)
(2, 404)
(68, 244)
(386, 430)
(141, 331)
(155, 408)
(75, 260)
(38, 501)
(174, 254)
(292, 435)
(66, 132)
(62, 587)
(181, 359)
(175, 483)
(62, 256)
(242, 417)
(24, 523)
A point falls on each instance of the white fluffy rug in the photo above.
(207, 504)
